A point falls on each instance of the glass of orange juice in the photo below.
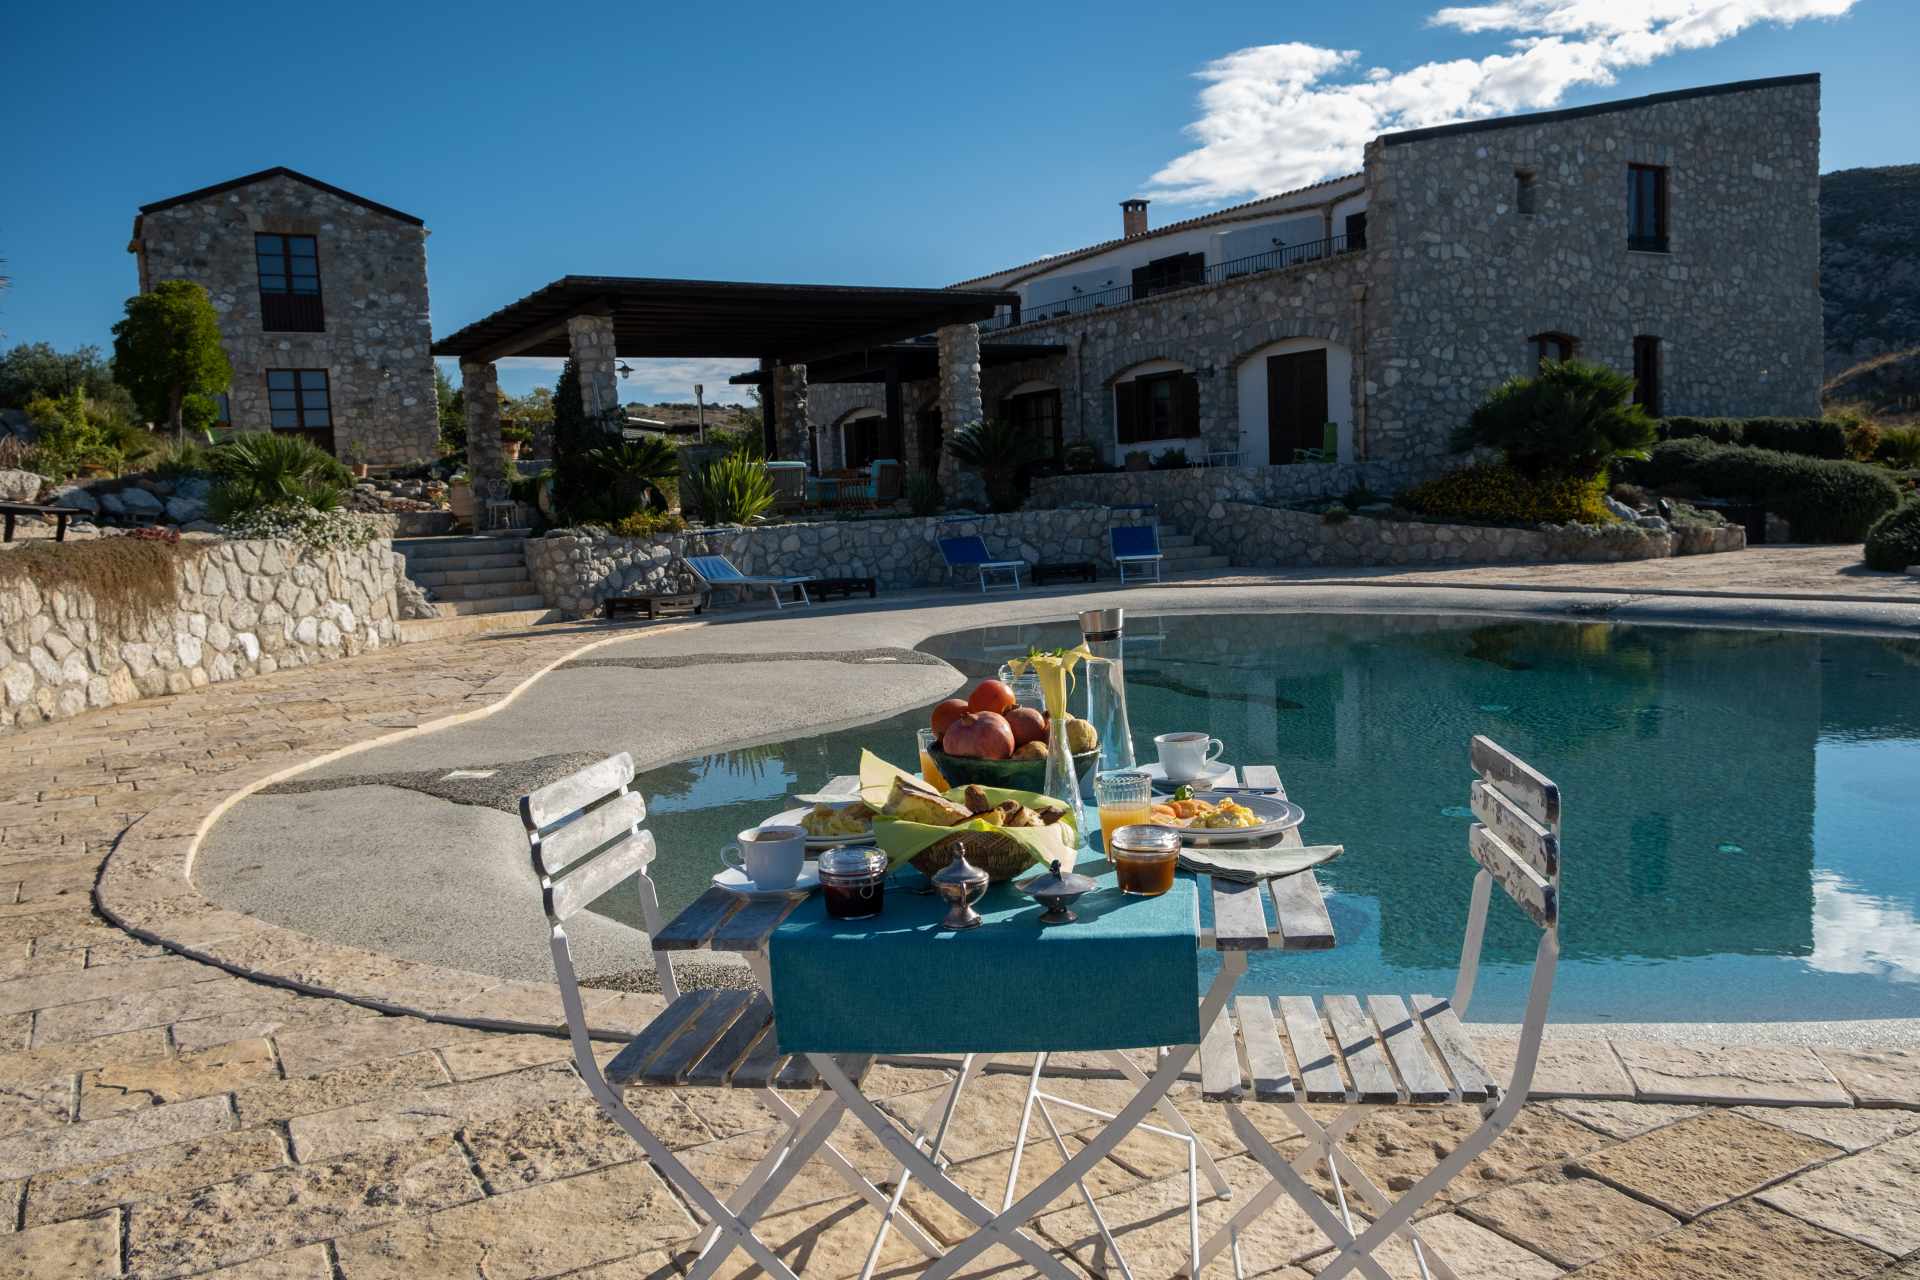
(928, 769)
(1125, 798)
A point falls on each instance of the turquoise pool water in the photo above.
(1741, 812)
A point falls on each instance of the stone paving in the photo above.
(163, 1117)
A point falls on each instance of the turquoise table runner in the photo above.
(1124, 975)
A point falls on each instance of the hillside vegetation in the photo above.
(1870, 267)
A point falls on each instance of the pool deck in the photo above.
(183, 1100)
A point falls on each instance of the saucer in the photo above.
(735, 881)
(1215, 772)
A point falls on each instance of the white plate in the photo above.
(1216, 772)
(735, 881)
(815, 844)
(1276, 815)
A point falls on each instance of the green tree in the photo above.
(1573, 418)
(166, 348)
(453, 413)
(34, 369)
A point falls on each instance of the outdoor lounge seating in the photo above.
(1135, 545)
(789, 485)
(719, 573)
(966, 554)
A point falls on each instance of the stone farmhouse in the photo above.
(322, 297)
(1360, 319)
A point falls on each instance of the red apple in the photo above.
(980, 736)
(991, 695)
(946, 713)
(1028, 725)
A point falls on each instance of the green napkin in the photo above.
(1248, 863)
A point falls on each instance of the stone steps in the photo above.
(491, 604)
(1180, 554)
(449, 626)
(467, 564)
(474, 575)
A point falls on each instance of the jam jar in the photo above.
(1143, 859)
(853, 880)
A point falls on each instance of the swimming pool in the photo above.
(1740, 817)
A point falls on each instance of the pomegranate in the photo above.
(1028, 725)
(946, 713)
(980, 736)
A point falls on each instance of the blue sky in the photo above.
(860, 144)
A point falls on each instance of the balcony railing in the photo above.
(1080, 304)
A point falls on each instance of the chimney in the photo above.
(1133, 218)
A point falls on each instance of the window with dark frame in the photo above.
(1356, 231)
(289, 273)
(1037, 414)
(1646, 373)
(1646, 208)
(1157, 406)
(1176, 271)
(1552, 346)
(1526, 191)
(299, 402)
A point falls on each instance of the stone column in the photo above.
(960, 407)
(591, 340)
(790, 416)
(480, 392)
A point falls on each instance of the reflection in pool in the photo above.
(1740, 805)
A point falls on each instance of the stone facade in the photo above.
(591, 339)
(242, 608)
(1192, 499)
(373, 290)
(788, 393)
(1269, 537)
(1437, 301)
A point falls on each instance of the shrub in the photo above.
(1572, 418)
(1894, 541)
(649, 524)
(924, 497)
(177, 461)
(294, 521)
(1171, 460)
(1825, 500)
(1899, 446)
(1080, 456)
(1814, 437)
(633, 473)
(1499, 492)
(260, 469)
(1863, 439)
(73, 434)
(997, 449)
(733, 489)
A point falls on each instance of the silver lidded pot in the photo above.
(960, 884)
(1057, 891)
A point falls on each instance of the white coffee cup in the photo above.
(1186, 756)
(771, 857)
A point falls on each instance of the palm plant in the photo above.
(259, 469)
(636, 471)
(1573, 418)
(997, 449)
(732, 489)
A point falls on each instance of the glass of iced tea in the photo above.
(1125, 798)
(1143, 859)
(928, 769)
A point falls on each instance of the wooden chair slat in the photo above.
(1526, 786)
(716, 1064)
(574, 891)
(762, 1063)
(671, 1064)
(1539, 846)
(1456, 1048)
(1301, 913)
(1407, 1048)
(1359, 1044)
(1220, 1079)
(1262, 775)
(625, 1067)
(1319, 1065)
(690, 930)
(1521, 882)
(1239, 919)
(564, 846)
(749, 928)
(1266, 1060)
(542, 808)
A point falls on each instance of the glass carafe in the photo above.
(1102, 630)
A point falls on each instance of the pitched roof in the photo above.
(1227, 214)
(278, 171)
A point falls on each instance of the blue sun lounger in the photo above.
(968, 553)
(1135, 545)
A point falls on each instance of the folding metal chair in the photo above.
(1385, 1052)
(964, 552)
(584, 835)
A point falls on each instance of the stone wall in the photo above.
(1190, 499)
(576, 570)
(243, 608)
(1270, 537)
(1461, 278)
(373, 289)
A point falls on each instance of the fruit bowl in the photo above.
(1015, 775)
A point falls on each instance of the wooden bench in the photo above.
(10, 511)
(841, 588)
(1063, 571)
(671, 604)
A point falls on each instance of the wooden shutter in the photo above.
(1126, 412)
(1186, 405)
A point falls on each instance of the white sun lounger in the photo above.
(718, 572)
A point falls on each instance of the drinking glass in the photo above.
(1125, 797)
(1026, 688)
(928, 769)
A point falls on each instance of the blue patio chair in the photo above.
(1135, 545)
(718, 572)
(968, 553)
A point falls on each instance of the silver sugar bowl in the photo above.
(960, 884)
(1057, 891)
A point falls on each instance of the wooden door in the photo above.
(1296, 403)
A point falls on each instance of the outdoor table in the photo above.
(1049, 571)
(60, 516)
(722, 922)
(841, 587)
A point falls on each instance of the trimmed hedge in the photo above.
(1894, 542)
(1824, 500)
(1495, 491)
(1813, 437)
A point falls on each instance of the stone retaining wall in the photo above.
(1268, 537)
(1190, 499)
(576, 570)
(242, 608)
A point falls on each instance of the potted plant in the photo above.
(357, 459)
(1138, 459)
(460, 498)
(513, 437)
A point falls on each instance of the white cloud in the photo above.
(1279, 116)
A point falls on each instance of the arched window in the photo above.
(1552, 345)
(1034, 407)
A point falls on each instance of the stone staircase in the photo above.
(1184, 555)
(480, 576)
